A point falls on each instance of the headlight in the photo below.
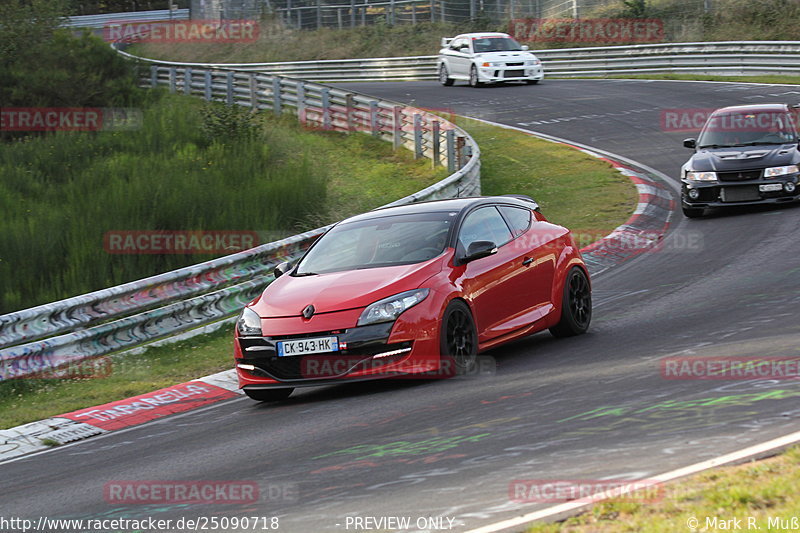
(492, 64)
(701, 176)
(249, 323)
(388, 309)
(779, 171)
(532, 62)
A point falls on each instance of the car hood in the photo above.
(287, 296)
(736, 158)
(505, 56)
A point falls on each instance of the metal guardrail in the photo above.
(52, 335)
(101, 21)
(726, 57)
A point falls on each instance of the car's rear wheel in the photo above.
(692, 212)
(576, 305)
(473, 77)
(444, 76)
(458, 338)
(268, 395)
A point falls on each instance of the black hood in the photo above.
(744, 157)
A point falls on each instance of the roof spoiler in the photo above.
(524, 198)
(446, 41)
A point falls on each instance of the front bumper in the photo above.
(731, 193)
(510, 73)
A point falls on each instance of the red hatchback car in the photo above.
(412, 290)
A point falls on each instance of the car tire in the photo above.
(268, 395)
(458, 339)
(692, 212)
(531, 82)
(443, 76)
(576, 305)
(473, 77)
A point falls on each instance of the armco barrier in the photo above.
(119, 317)
(715, 58)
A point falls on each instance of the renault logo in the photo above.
(308, 312)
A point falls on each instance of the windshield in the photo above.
(379, 242)
(747, 129)
(495, 44)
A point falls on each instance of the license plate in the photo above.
(739, 194)
(514, 74)
(770, 187)
(306, 346)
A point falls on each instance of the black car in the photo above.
(744, 155)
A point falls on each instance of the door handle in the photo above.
(527, 261)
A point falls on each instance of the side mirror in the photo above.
(479, 249)
(525, 48)
(690, 143)
(281, 269)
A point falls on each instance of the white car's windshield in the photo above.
(495, 44)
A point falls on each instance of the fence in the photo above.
(108, 320)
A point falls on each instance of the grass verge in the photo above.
(758, 495)
(573, 189)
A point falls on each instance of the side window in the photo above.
(484, 224)
(518, 218)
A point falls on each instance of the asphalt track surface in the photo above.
(592, 407)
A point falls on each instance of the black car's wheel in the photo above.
(473, 77)
(531, 82)
(692, 212)
(444, 76)
(458, 338)
(576, 305)
(268, 395)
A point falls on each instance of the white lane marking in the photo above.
(574, 507)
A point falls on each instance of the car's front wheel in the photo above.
(444, 76)
(473, 77)
(458, 338)
(576, 305)
(268, 395)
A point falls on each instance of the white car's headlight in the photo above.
(532, 62)
(701, 176)
(388, 309)
(779, 171)
(249, 323)
(492, 64)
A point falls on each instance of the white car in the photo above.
(487, 58)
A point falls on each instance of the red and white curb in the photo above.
(640, 233)
(92, 421)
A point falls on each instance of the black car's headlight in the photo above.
(701, 176)
(388, 309)
(249, 323)
(779, 171)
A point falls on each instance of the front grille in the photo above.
(740, 175)
(514, 74)
(740, 194)
(514, 64)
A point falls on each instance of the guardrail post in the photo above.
(301, 102)
(435, 143)
(153, 76)
(187, 81)
(451, 150)
(391, 13)
(319, 14)
(364, 16)
(207, 88)
(326, 108)
(352, 13)
(276, 95)
(339, 17)
(373, 118)
(459, 152)
(397, 127)
(441, 15)
(348, 110)
(172, 74)
(417, 135)
(433, 10)
(229, 88)
(413, 13)
(253, 91)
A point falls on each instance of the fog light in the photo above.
(694, 194)
(789, 186)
